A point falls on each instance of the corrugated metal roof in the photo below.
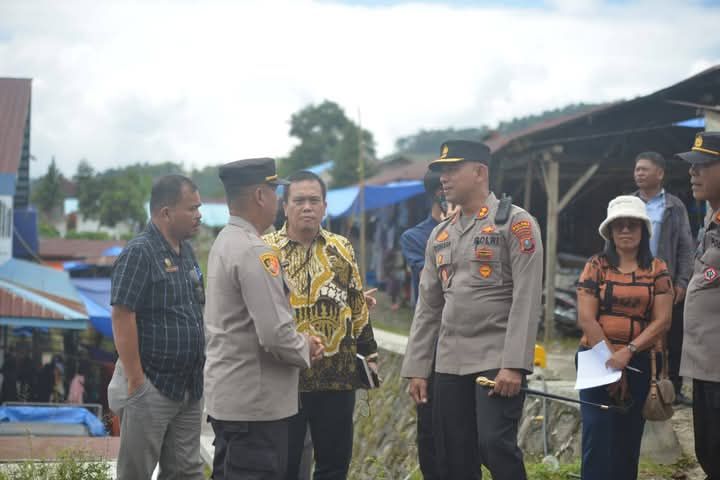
(14, 110)
(34, 295)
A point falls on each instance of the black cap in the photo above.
(706, 149)
(251, 171)
(454, 151)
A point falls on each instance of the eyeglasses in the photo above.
(626, 223)
(196, 279)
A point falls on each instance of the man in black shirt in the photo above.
(157, 297)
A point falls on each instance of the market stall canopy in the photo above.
(95, 293)
(33, 295)
(343, 202)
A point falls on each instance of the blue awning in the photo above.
(346, 201)
(341, 202)
(698, 122)
(95, 293)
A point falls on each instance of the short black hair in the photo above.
(167, 191)
(431, 182)
(657, 159)
(302, 176)
(644, 255)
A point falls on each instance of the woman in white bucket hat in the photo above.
(624, 299)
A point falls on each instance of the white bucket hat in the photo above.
(624, 206)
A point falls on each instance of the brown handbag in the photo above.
(659, 403)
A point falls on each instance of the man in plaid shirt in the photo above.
(157, 297)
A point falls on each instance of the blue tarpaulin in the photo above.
(95, 294)
(343, 202)
(692, 123)
(71, 415)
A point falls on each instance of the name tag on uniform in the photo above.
(169, 267)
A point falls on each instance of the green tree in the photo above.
(47, 195)
(124, 198)
(208, 182)
(327, 134)
(89, 189)
(345, 170)
(320, 129)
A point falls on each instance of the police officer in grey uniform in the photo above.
(480, 301)
(254, 354)
(701, 340)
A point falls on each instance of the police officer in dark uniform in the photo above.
(480, 302)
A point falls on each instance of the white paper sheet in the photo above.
(592, 371)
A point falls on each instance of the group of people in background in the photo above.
(276, 342)
(23, 381)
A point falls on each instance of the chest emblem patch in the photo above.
(485, 271)
(488, 229)
(710, 274)
(442, 236)
(270, 263)
(169, 267)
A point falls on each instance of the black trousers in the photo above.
(425, 438)
(706, 421)
(472, 428)
(611, 440)
(330, 417)
(250, 450)
(675, 342)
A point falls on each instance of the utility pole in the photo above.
(361, 186)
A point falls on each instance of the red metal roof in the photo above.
(65, 248)
(12, 305)
(14, 110)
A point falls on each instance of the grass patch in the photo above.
(70, 465)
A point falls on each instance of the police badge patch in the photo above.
(271, 263)
(523, 232)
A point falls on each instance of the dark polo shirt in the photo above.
(165, 291)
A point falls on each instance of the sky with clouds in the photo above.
(203, 83)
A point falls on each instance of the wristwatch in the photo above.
(632, 347)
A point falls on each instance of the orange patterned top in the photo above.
(626, 299)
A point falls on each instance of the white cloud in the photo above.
(207, 82)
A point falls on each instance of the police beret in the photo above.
(706, 148)
(454, 151)
(250, 171)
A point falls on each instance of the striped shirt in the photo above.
(166, 293)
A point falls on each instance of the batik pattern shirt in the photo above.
(326, 294)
